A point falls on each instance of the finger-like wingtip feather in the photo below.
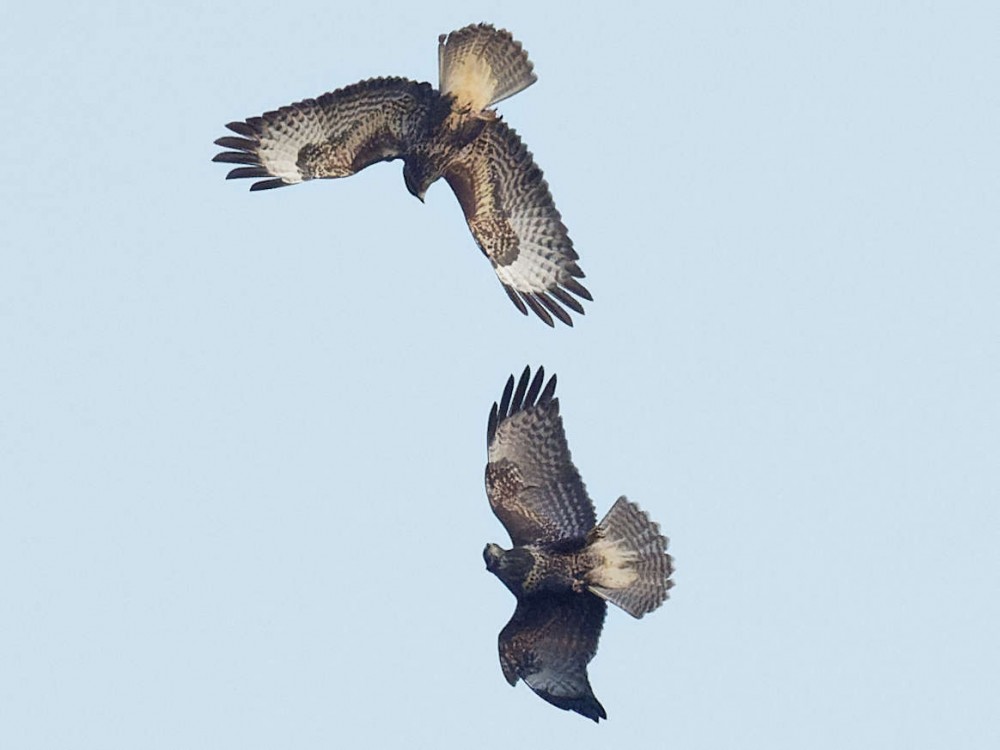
(491, 426)
(554, 308)
(517, 402)
(505, 399)
(527, 393)
(242, 128)
(550, 389)
(515, 299)
(236, 157)
(268, 185)
(571, 302)
(237, 144)
(578, 289)
(534, 388)
(239, 172)
(537, 309)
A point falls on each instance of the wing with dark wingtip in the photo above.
(514, 220)
(549, 642)
(532, 484)
(335, 135)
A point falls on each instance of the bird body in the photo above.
(563, 566)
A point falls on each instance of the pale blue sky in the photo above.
(242, 435)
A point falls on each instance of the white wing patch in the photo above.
(537, 267)
(280, 144)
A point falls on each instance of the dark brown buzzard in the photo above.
(449, 132)
(563, 565)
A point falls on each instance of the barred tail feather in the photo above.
(481, 65)
(635, 569)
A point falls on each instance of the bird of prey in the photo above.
(449, 132)
(563, 565)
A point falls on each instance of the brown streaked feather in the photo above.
(531, 482)
(514, 221)
(548, 643)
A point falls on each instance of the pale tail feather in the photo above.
(635, 572)
(480, 66)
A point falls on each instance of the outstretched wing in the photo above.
(532, 484)
(511, 214)
(549, 642)
(335, 135)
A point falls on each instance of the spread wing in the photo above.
(511, 214)
(335, 135)
(549, 642)
(532, 484)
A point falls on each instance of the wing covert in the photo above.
(515, 223)
(531, 482)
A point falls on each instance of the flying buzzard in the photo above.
(450, 133)
(563, 565)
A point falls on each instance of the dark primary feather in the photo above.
(235, 157)
(507, 408)
(247, 172)
(243, 128)
(549, 642)
(240, 144)
(268, 185)
(532, 484)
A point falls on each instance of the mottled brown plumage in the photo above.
(450, 133)
(563, 565)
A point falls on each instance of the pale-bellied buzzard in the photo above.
(450, 133)
(563, 565)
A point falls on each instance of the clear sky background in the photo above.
(242, 436)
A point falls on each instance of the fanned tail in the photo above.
(481, 65)
(635, 570)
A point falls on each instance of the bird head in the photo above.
(493, 554)
(512, 566)
(418, 176)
